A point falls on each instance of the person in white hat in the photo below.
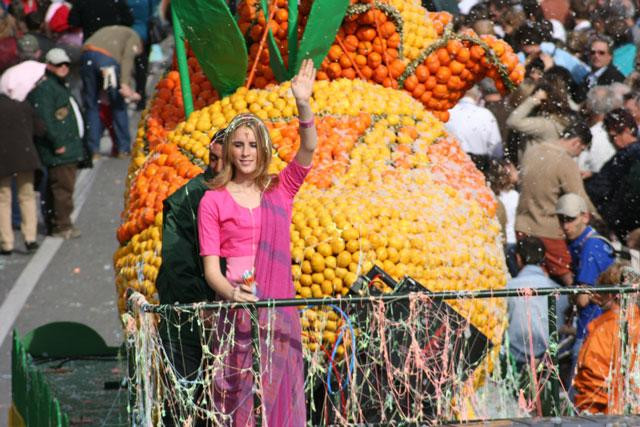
(60, 149)
(591, 255)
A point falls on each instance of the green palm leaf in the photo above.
(216, 40)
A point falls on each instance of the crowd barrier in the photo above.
(383, 360)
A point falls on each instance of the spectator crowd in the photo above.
(562, 155)
(68, 70)
(561, 152)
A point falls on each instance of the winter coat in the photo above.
(52, 101)
(18, 124)
(607, 188)
(600, 378)
(181, 275)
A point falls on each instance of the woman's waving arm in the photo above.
(302, 87)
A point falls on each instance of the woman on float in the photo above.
(245, 219)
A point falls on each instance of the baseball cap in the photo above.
(57, 56)
(571, 205)
(28, 44)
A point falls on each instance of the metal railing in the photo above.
(550, 293)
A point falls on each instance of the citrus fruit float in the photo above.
(389, 187)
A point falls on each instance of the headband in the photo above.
(244, 119)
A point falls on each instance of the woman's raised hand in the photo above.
(302, 83)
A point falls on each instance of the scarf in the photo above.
(273, 257)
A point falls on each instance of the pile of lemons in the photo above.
(339, 97)
(137, 263)
(418, 31)
(388, 208)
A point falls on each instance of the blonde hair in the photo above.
(261, 175)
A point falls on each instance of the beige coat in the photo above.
(547, 173)
(121, 43)
(538, 128)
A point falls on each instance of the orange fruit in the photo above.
(443, 56)
(433, 63)
(411, 82)
(422, 73)
(454, 46)
(443, 74)
(456, 67)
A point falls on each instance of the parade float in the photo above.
(390, 189)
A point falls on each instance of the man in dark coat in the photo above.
(603, 72)
(60, 149)
(607, 188)
(91, 15)
(18, 160)
(181, 276)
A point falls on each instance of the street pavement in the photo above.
(70, 280)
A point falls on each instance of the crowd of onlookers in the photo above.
(562, 155)
(68, 71)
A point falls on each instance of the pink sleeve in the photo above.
(208, 225)
(292, 177)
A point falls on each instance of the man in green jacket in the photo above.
(60, 148)
(181, 276)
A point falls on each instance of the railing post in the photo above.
(553, 351)
(255, 337)
(183, 66)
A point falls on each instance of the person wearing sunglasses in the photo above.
(603, 72)
(60, 149)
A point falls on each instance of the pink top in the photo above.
(232, 231)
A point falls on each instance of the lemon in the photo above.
(350, 278)
(306, 267)
(305, 280)
(324, 249)
(306, 292)
(350, 234)
(353, 246)
(316, 291)
(317, 263)
(343, 260)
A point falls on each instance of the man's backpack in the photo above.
(622, 253)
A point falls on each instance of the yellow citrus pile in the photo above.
(405, 197)
(138, 261)
(418, 29)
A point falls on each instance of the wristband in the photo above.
(306, 124)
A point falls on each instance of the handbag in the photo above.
(158, 28)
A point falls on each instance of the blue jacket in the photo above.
(529, 316)
(590, 256)
(624, 58)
